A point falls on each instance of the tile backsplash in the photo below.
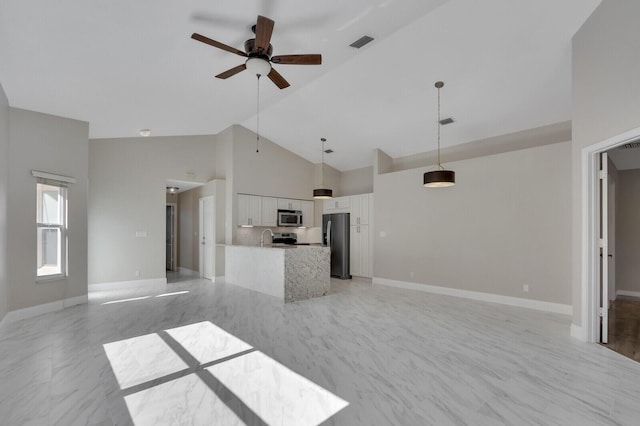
(251, 236)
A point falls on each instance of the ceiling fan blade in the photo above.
(264, 29)
(277, 79)
(297, 59)
(217, 44)
(233, 71)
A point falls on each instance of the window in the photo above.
(51, 224)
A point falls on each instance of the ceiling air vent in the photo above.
(328, 151)
(630, 145)
(361, 42)
(446, 121)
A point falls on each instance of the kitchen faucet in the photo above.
(262, 236)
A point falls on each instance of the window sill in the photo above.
(51, 278)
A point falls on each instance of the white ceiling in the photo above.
(124, 65)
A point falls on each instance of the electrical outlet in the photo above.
(137, 273)
(411, 274)
(525, 288)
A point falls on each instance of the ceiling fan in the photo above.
(258, 52)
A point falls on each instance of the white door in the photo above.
(604, 253)
(611, 196)
(207, 244)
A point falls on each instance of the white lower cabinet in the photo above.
(359, 251)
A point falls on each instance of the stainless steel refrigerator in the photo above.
(335, 234)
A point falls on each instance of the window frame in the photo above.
(62, 227)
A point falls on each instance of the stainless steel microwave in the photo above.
(289, 218)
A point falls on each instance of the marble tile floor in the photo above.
(397, 357)
(624, 327)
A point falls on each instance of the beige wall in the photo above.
(56, 145)
(606, 100)
(627, 245)
(128, 184)
(358, 181)
(4, 187)
(273, 171)
(504, 224)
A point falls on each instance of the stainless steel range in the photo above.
(285, 238)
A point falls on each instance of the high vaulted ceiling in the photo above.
(125, 65)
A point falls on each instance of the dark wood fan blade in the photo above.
(297, 59)
(264, 29)
(233, 71)
(277, 79)
(217, 44)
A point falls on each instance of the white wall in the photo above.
(606, 99)
(4, 187)
(128, 184)
(57, 145)
(504, 224)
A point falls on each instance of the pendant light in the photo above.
(323, 192)
(440, 177)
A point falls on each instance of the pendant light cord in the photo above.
(258, 114)
(322, 164)
(439, 165)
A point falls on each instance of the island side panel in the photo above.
(256, 268)
(307, 273)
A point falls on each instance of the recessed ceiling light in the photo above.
(172, 189)
(144, 132)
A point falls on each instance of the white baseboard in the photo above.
(121, 285)
(577, 332)
(628, 293)
(46, 308)
(73, 301)
(219, 279)
(476, 295)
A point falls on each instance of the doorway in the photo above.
(207, 243)
(595, 293)
(171, 237)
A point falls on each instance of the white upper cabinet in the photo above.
(308, 212)
(360, 209)
(337, 205)
(249, 210)
(288, 204)
(269, 211)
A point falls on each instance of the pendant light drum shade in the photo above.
(322, 194)
(439, 178)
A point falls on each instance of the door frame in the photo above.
(590, 234)
(201, 249)
(174, 249)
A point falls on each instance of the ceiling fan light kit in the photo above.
(440, 178)
(322, 193)
(258, 50)
(258, 66)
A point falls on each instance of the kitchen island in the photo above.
(290, 273)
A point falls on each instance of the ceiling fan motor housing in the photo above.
(252, 50)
